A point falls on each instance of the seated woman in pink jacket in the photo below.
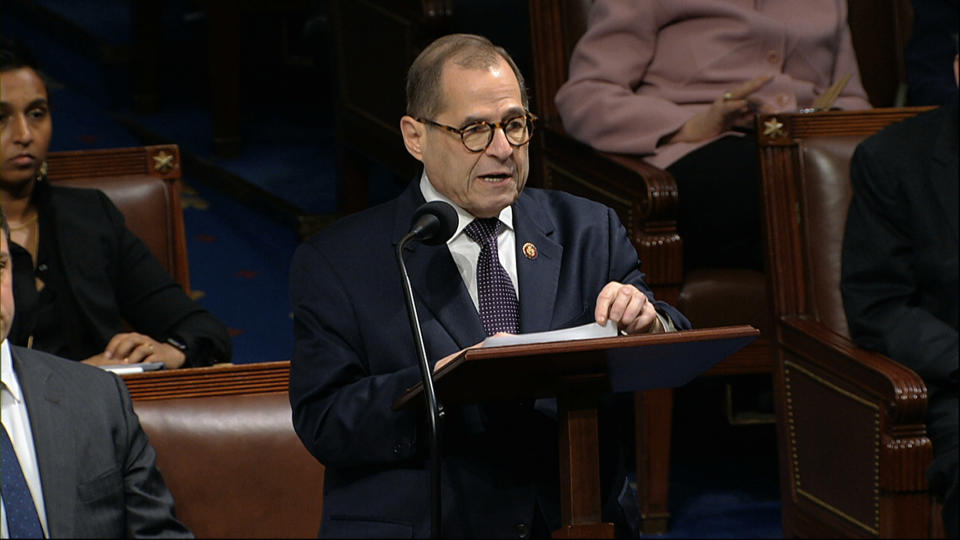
(680, 81)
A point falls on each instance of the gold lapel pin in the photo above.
(530, 251)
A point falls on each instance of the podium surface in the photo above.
(576, 372)
(624, 363)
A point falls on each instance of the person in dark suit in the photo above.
(81, 274)
(90, 471)
(933, 40)
(899, 275)
(567, 261)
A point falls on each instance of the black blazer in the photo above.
(114, 278)
(97, 469)
(900, 272)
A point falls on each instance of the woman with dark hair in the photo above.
(79, 273)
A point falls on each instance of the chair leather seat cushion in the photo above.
(725, 296)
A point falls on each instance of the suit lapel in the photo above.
(538, 272)
(944, 169)
(55, 448)
(435, 279)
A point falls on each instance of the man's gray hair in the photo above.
(424, 89)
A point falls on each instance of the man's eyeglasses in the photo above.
(478, 136)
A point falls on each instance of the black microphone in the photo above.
(433, 223)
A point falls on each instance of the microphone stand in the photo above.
(435, 410)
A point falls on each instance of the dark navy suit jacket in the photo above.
(355, 354)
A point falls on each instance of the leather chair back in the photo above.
(228, 452)
(235, 466)
(145, 184)
(825, 162)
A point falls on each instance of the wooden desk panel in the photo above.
(217, 380)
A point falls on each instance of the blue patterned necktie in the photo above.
(499, 310)
(22, 518)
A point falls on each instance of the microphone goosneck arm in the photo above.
(433, 223)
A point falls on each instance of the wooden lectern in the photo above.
(576, 373)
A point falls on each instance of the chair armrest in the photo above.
(852, 436)
(627, 179)
(869, 375)
(644, 196)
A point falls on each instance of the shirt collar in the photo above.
(8, 376)
(430, 194)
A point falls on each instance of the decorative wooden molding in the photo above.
(877, 377)
(773, 129)
(114, 162)
(164, 161)
(216, 380)
(796, 447)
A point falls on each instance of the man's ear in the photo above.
(414, 135)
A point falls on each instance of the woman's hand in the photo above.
(735, 107)
(133, 348)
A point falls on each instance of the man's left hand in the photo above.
(629, 308)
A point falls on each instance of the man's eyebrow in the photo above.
(511, 112)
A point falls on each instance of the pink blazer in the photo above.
(644, 67)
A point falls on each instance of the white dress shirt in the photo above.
(17, 422)
(466, 252)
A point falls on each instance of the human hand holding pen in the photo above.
(732, 108)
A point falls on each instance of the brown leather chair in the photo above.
(228, 452)
(144, 182)
(646, 199)
(853, 446)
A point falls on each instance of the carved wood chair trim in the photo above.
(550, 72)
(217, 380)
(877, 377)
(782, 176)
(795, 446)
(162, 161)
